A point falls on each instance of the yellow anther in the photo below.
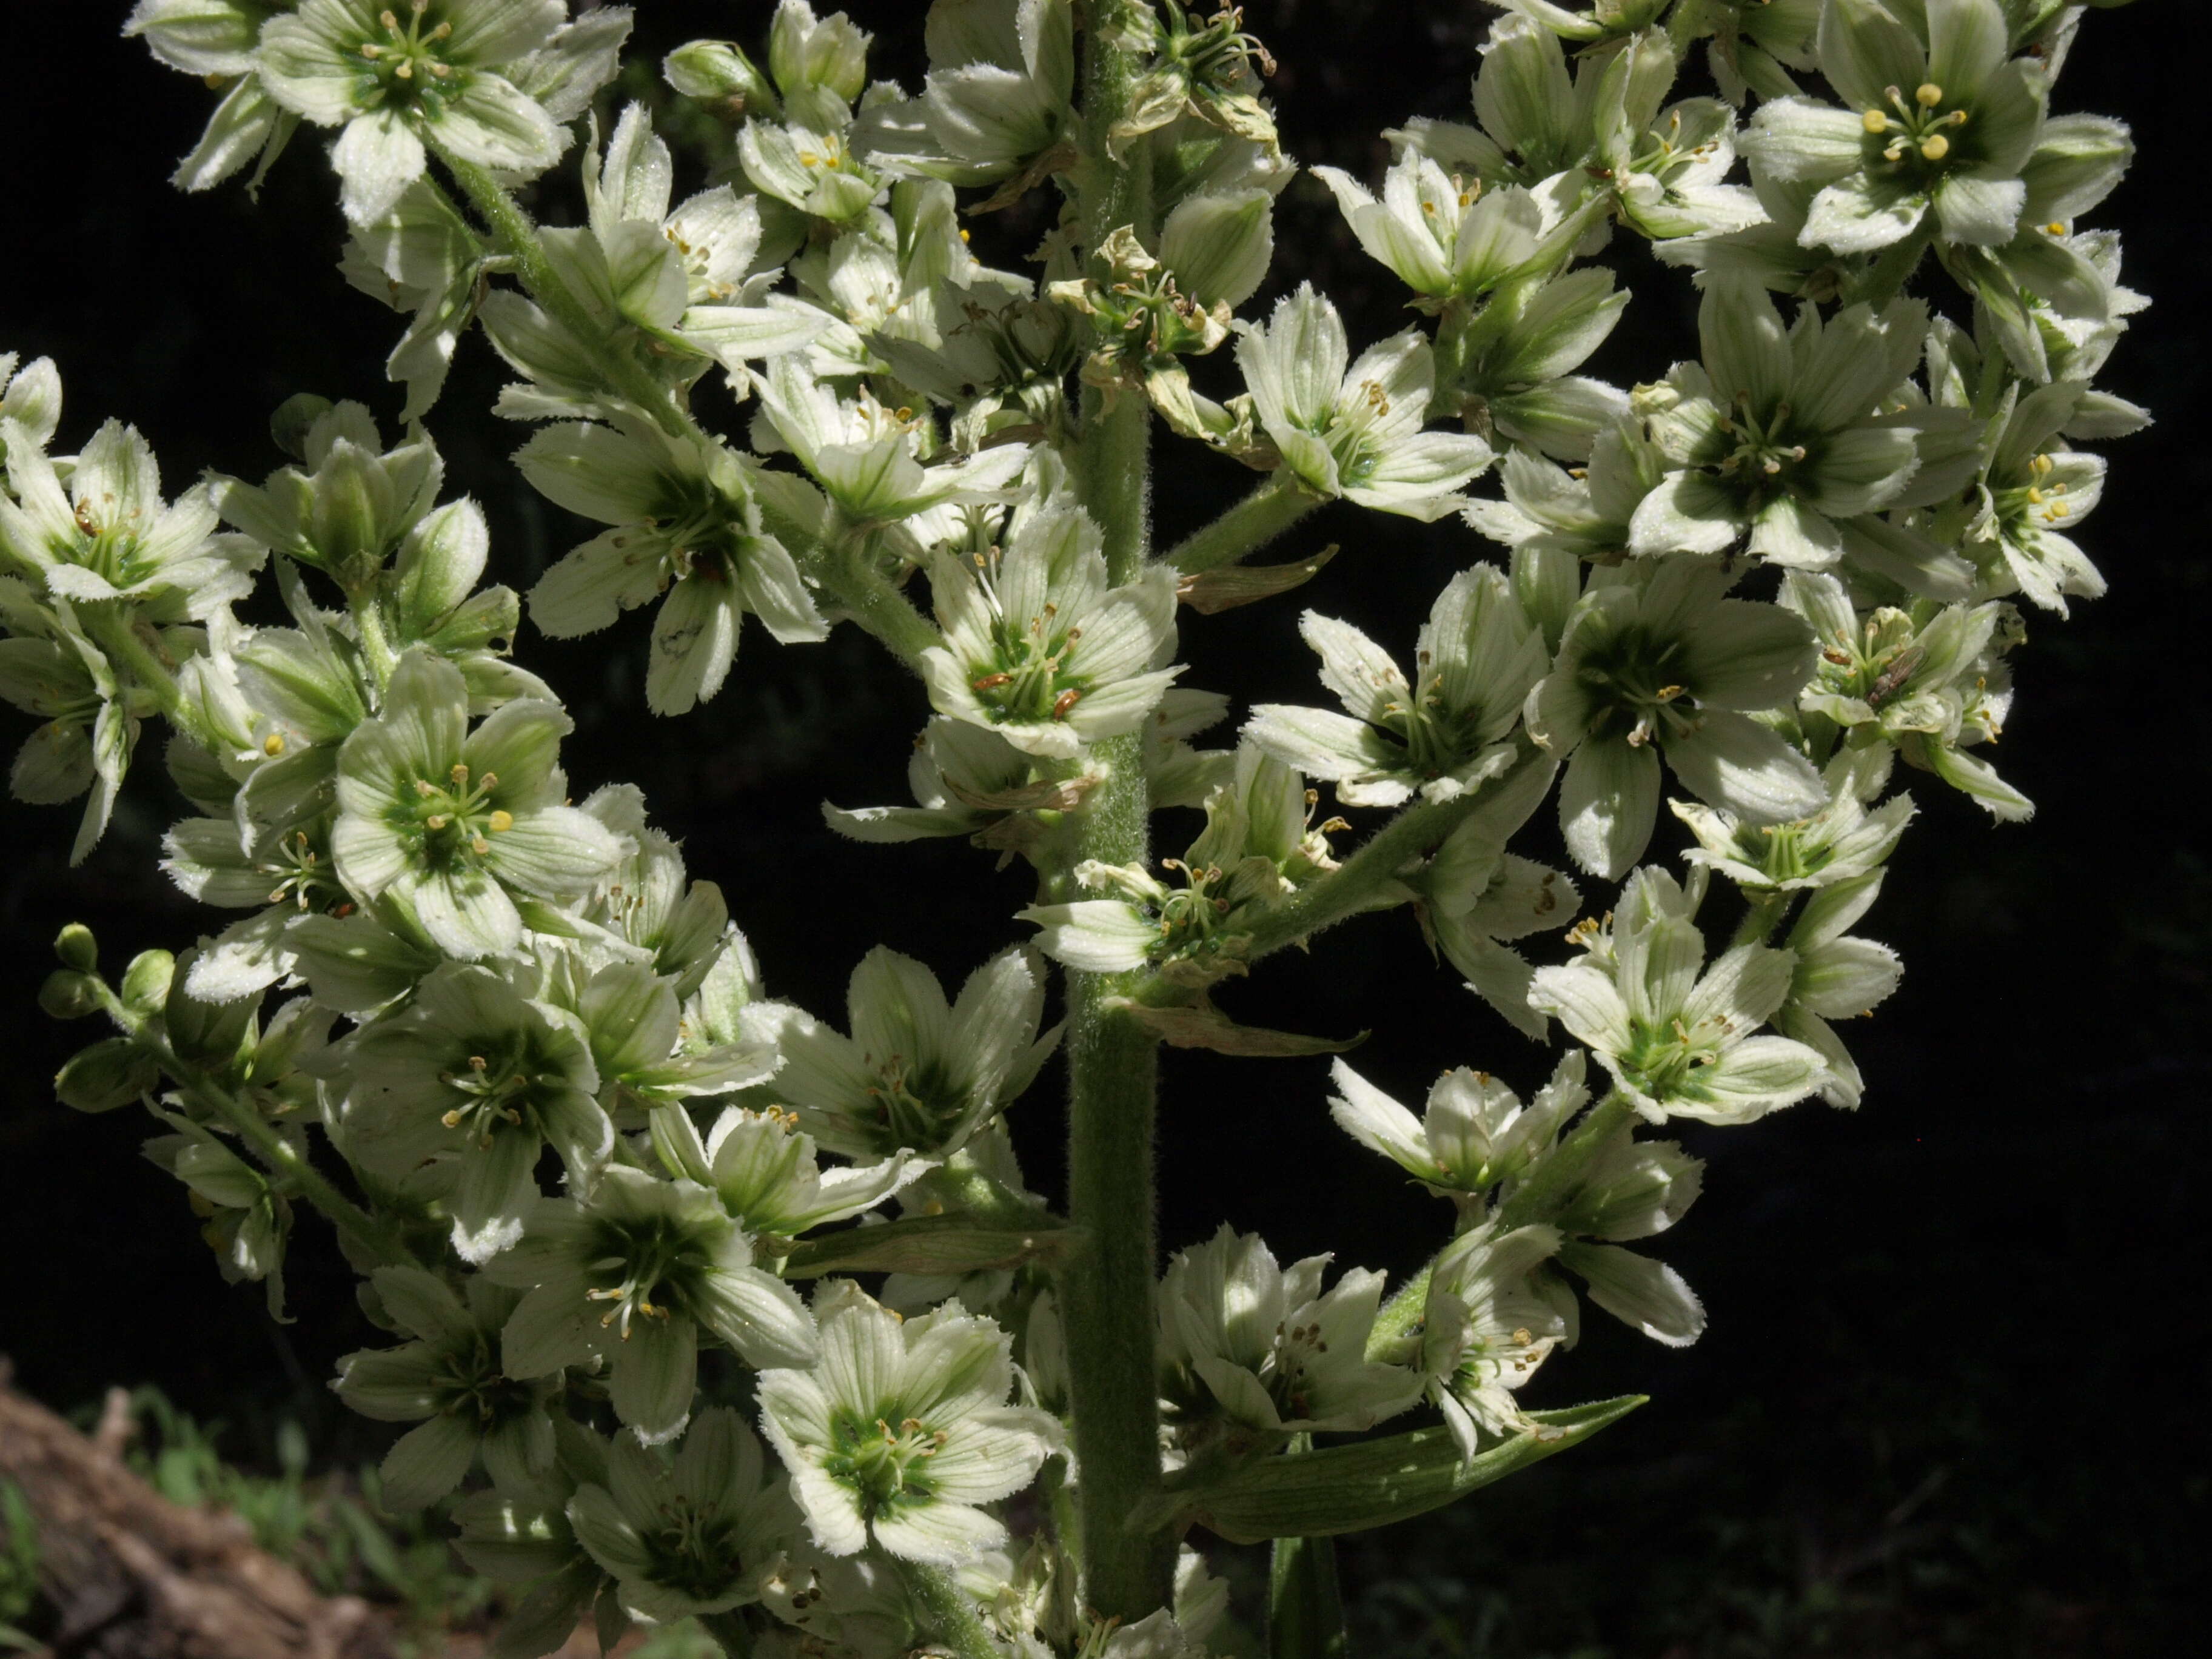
(499, 821)
(460, 773)
(1936, 147)
(2055, 228)
(2040, 463)
(965, 237)
(406, 69)
(437, 820)
(1877, 121)
(273, 744)
(2035, 495)
(1928, 95)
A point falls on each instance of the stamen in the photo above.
(1928, 95)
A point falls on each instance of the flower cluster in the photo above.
(486, 1023)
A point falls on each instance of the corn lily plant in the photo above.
(480, 1018)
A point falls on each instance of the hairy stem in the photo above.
(1113, 1066)
(507, 222)
(875, 603)
(1245, 528)
(372, 1239)
(949, 1611)
(127, 646)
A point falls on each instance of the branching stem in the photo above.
(1245, 528)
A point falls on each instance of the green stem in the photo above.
(1113, 1082)
(1400, 1317)
(1305, 1605)
(875, 602)
(372, 1239)
(1356, 884)
(1760, 921)
(1539, 1198)
(1885, 279)
(375, 639)
(1245, 528)
(949, 1611)
(1113, 1066)
(507, 222)
(123, 644)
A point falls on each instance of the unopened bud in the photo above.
(146, 981)
(76, 947)
(69, 995)
(717, 70)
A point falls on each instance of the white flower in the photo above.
(1354, 432)
(1486, 1327)
(1252, 1353)
(1442, 734)
(395, 76)
(1038, 649)
(1473, 1133)
(1676, 1034)
(916, 1072)
(900, 1431)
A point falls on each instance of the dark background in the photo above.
(1951, 1397)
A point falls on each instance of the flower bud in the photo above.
(716, 69)
(69, 995)
(804, 50)
(76, 947)
(108, 1074)
(146, 981)
(1219, 246)
(293, 420)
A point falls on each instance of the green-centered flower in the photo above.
(447, 1381)
(278, 874)
(421, 258)
(1439, 734)
(1474, 1133)
(681, 928)
(2031, 491)
(459, 823)
(1632, 1189)
(1251, 1352)
(968, 781)
(1585, 511)
(1485, 1327)
(1939, 120)
(995, 104)
(1837, 977)
(520, 1534)
(900, 1432)
(1794, 437)
(763, 1168)
(1931, 679)
(107, 537)
(1843, 841)
(865, 456)
(916, 1072)
(1657, 661)
(1258, 845)
(1446, 237)
(475, 1073)
(349, 503)
(1038, 648)
(395, 76)
(1675, 1033)
(1354, 428)
(631, 1276)
(697, 1533)
(50, 670)
(686, 526)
